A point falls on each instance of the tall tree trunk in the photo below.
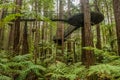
(1, 31)
(116, 6)
(107, 11)
(98, 44)
(69, 47)
(60, 29)
(2, 14)
(25, 47)
(69, 44)
(37, 33)
(16, 44)
(11, 37)
(88, 55)
(1, 38)
(82, 36)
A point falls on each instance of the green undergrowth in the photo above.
(23, 67)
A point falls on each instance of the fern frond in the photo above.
(27, 63)
(21, 58)
(4, 60)
(3, 77)
(104, 70)
(3, 67)
(115, 62)
(34, 69)
(14, 65)
(70, 72)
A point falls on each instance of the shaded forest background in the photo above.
(28, 52)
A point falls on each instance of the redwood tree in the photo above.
(87, 55)
(98, 44)
(16, 44)
(60, 28)
(25, 47)
(2, 15)
(116, 6)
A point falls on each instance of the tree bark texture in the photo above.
(116, 6)
(88, 55)
(16, 44)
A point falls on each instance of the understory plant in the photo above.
(22, 67)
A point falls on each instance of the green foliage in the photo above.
(11, 17)
(21, 58)
(8, 19)
(7, 5)
(88, 48)
(105, 71)
(2, 77)
(3, 67)
(37, 69)
(19, 66)
(24, 63)
(107, 31)
(22, 67)
(61, 70)
(115, 62)
(4, 57)
(107, 56)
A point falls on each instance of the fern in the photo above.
(106, 55)
(21, 58)
(115, 62)
(14, 65)
(3, 77)
(3, 67)
(9, 18)
(74, 71)
(61, 70)
(104, 71)
(34, 69)
(27, 63)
